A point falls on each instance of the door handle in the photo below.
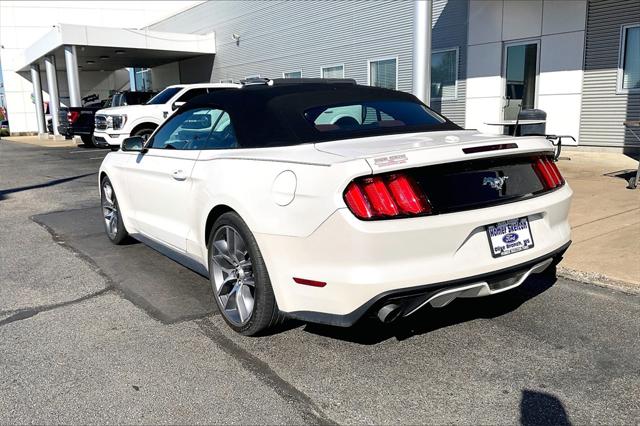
(179, 175)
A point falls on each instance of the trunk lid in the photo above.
(400, 151)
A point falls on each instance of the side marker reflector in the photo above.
(311, 283)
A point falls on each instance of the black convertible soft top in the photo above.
(264, 115)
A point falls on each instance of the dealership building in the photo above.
(579, 61)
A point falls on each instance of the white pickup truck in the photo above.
(113, 125)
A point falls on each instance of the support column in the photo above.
(37, 99)
(71, 61)
(52, 84)
(422, 12)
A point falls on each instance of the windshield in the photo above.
(164, 96)
(371, 115)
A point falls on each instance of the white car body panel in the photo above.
(153, 215)
(315, 235)
(360, 260)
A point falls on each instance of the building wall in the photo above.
(559, 25)
(277, 37)
(449, 30)
(22, 23)
(165, 75)
(604, 109)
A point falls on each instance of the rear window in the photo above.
(371, 115)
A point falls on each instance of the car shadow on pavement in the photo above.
(369, 331)
(541, 408)
(4, 192)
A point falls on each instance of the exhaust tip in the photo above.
(389, 313)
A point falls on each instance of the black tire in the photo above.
(144, 131)
(87, 140)
(265, 312)
(116, 232)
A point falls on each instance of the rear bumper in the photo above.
(363, 261)
(414, 298)
(71, 131)
(82, 131)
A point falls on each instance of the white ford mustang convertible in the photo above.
(326, 201)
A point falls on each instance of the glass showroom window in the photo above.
(444, 74)
(383, 73)
(336, 71)
(292, 74)
(143, 79)
(629, 68)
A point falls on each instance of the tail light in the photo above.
(548, 172)
(72, 116)
(386, 196)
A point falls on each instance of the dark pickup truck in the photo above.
(79, 121)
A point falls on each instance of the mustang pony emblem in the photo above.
(495, 182)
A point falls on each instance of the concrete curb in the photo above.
(598, 279)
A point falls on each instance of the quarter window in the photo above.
(382, 73)
(444, 74)
(336, 71)
(629, 72)
(201, 128)
(222, 135)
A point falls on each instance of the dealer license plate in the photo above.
(509, 237)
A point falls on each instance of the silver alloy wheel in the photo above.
(232, 272)
(110, 209)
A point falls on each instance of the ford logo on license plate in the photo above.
(510, 238)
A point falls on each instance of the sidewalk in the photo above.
(605, 220)
(34, 140)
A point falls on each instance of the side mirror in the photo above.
(134, 144)
(176, 105)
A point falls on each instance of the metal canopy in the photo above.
(100, 58)
(109, 49)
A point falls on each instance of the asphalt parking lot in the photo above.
(93, 333)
